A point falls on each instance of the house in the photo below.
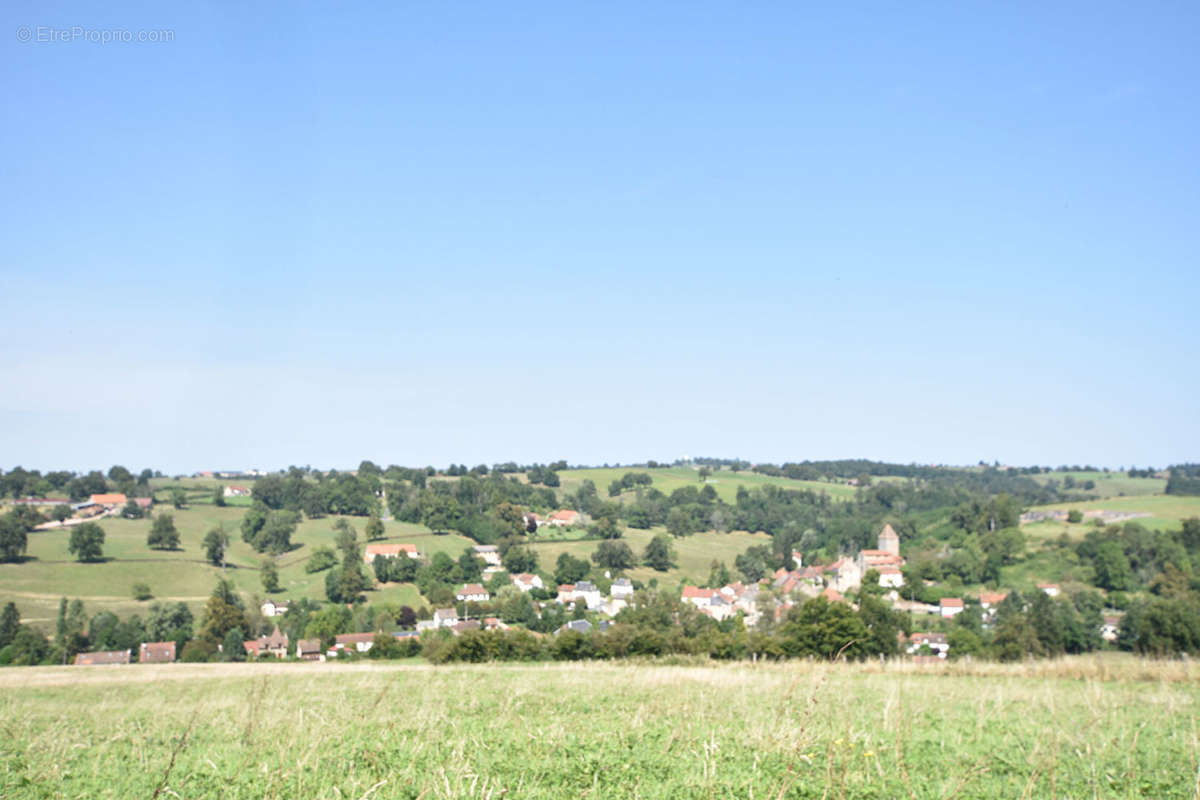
(445, 617)
(914, 607)
(577, 625)
(1110, 628)
(236, 491)
(710, 602)
(797, 559)
(472, 593)
(309, 650)
(374, 551)
(989, 600)
(143, 502)
(589, 594)
(276, 644)
(950, 606)
(358, 642)
(847, 574)
(489, 553)
(564, 518)
(527, 582)
(936, 642)
(566, 593)
(156, 653)
(103, 658)
(494, 624)
(532, 520)
(113, 500)
(459, 628)
(621, 589)
(1051, 589)
(891, 577)
(271, 608)
(251, 648)
(424, 625)
(833, 595)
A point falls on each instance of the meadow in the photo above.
(1089, 727)
(725, 482)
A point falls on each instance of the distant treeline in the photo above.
(1185, 479)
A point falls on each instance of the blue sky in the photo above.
(471, 232)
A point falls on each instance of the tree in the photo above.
(659, 554)
(613, 554)
(222, 613)
(219, 497)
(10, 623)
(87, 542)
(569, 569)
(606, 528)
(1074, 515)
(131, 510)
(275, 537)
(375, 529)
(679, 522)
(322, 558)
(215, 543)
(163, 535)
(1112, 568)
(233, 648)
(178, 498)
(62, 512)
(13, 538)
(825, 629)
(141, 592)
(520, 559)
(346, 538)
(755, 563)
(270, 576)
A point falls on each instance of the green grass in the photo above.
(1108, 484)
(694, 553)
(183, 575)
(725, 482)
(1165, 510)
(591, 730)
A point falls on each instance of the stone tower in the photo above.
(889, 541)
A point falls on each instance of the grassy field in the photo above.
(50, 571)
(1166, 511)
(725, 482)
(599, 730)
(1108, 484)
(694, 553)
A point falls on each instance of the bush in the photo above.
(141, 592)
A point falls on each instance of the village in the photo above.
(764, 604)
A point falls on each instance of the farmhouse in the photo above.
(445, 617)
(950, 606)
(621, 589)
(1110, 628)
(564, 518)
(111, 500)
(235, 491)
(374, 551)
(358, 642)
(936, 642)
(489, 553)
(527, 581)
(276, 644)
(102, 658)
(156, 653)
(271, 608)
(589, 594)
(989, 600)
(472, 593)
(891, 577)
(309, 650)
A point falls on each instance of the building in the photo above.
(472, 593)
(235, 491)
(589, 594)
(358, 642)
(271, 608)
(889, 540)
(374, 551)
(111, 500)
(621, 589)
(936, 642)
(564, 518)
(489, 553)
(103, 658)
(156, 653)
(950, 606)
(1111, 628)
(847, 574)
(891, 577)
(309, 650)
(445, 617)
(276, 644)
(527, 581)
(1051, 589)
(989, 600)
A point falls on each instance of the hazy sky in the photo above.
(433, 232)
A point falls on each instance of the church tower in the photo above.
(889, 541)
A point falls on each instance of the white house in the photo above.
(891, 577)
(472, 593)
(445, 617)
(271, 608)
(489, 553)
(527, 581)
(374, 551)
(1052, 589)
(936, 642)
(950, 606)
(622, 589)
(589, 594)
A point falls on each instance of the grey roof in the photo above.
(585, 586)
(622, 582)
(579, 625)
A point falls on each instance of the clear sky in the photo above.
(434, 232)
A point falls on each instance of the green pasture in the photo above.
(725, 482)
(1108, 484)
(545, 732)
